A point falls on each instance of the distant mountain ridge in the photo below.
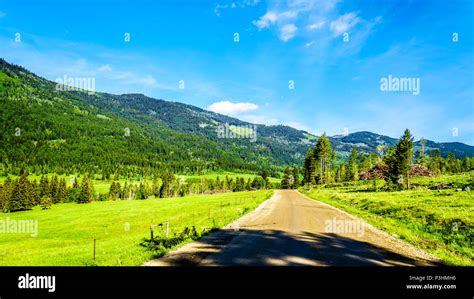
(163, 133)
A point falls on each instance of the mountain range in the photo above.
(58, 129)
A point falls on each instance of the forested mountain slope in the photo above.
(47, 129)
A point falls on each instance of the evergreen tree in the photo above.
(87, 191)
(53, 189)
(242, 184)
(46, 202)
(309, 168)
(249, 185)
(62, 190)
(322, 153)
(420, 158)
(44, 187)
(167, 187)
(22, 195)
(5, 193)
(404, 156)
(114, 191)
(452, 163)
(435, 162)
(351, 170)
(286, 182)
(296, 177)
(142, 191)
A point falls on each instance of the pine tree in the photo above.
(351, 170)
(141, 191)
(53, 189)
(322, 153)
(125, 194)
(62, 190)
(435, 162)
(242, 184)
(420, 158)
(87, 191)
(249, 185)
(296, 177)
(5, 193)
(22, 195)
(452, 163)
(309, 168)
(286, 182)
(114, 191)
(44, 187)
(404, 156)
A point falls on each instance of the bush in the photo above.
(46, 202)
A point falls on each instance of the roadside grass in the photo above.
(66, 231)
(438, 221)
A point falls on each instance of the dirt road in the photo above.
(289, 230)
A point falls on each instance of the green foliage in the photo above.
(403, 158)
(352, 173)
(87, 191)
(22, 196)
(46, 203)
(287, 180)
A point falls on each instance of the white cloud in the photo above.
(266, 20)
(287, 32)
(230, 108)
(344, 23)
(104, 68)
(316, 25)
(288, 15)
(240, 4)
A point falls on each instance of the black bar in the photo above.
(241, 282)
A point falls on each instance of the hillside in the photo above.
(68, 131)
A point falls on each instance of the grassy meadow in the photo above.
(437, 215)
(66, 231)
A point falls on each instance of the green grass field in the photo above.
(438, 221)
(66, 231)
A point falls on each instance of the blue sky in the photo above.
(334, 53)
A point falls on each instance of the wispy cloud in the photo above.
(287, 32)
(266, 20)
(321, 21)
(232, 5)
(316, 25)
(344, 23)
(104, 68)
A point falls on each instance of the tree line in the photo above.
(23, 194)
